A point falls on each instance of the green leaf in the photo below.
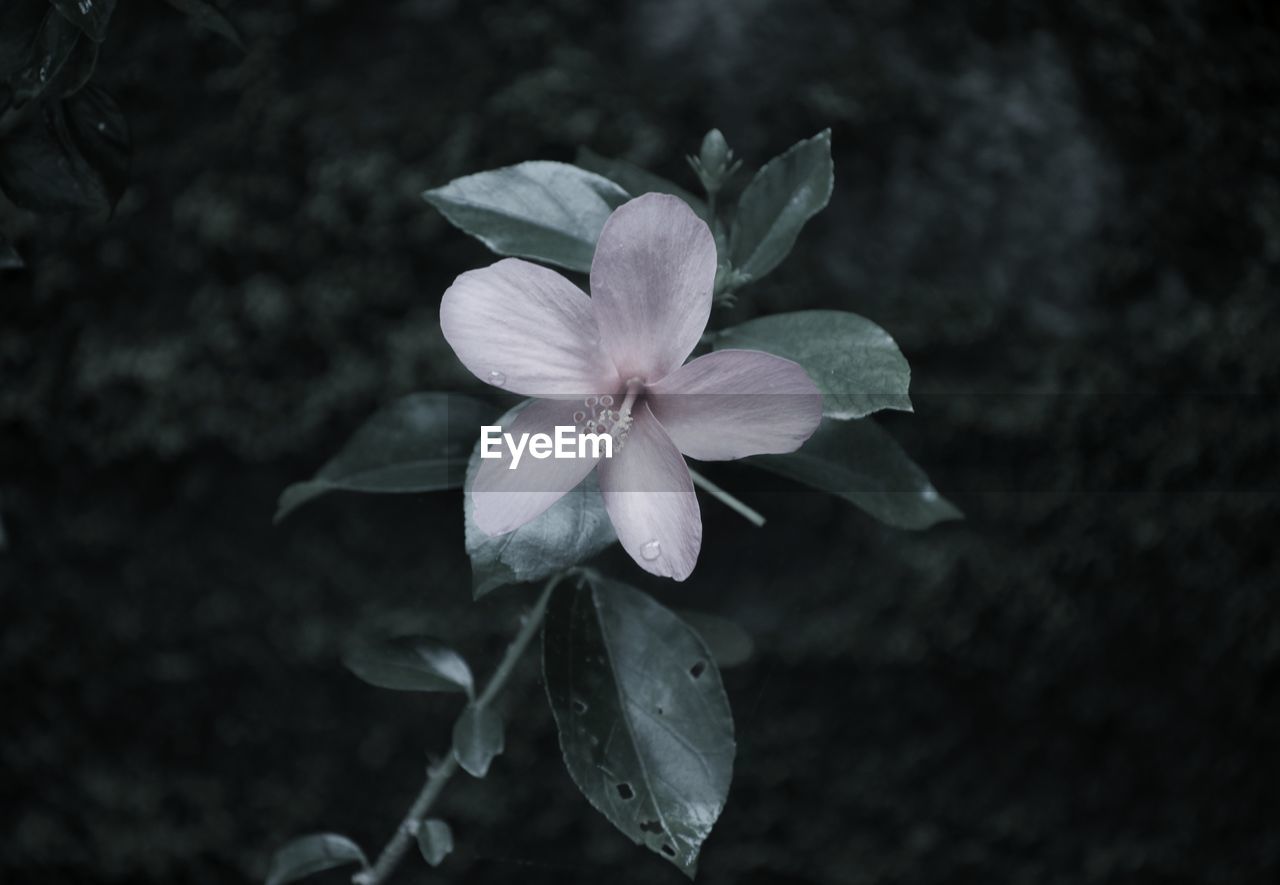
(728, 643)
(477, 738)
(637, 181)
(410, 663)
(90, 16)
(210, 16)
(571, 531)
(854, 362)
(786, 192)
(435, 841)
(860, 462)
(309, 855)
(644, 723)
(419, 443)
(541, 210)
(71, 156)
(9, 257)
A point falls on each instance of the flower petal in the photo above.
(526, 329)
(649, 495)
(651, 281)
(734, 403)
(506, 499)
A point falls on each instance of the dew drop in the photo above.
(497, 379)
(650, 549)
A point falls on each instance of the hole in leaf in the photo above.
(625, 791)
(650, 826)
(698, 669)
(668, 850)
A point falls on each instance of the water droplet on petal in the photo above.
(497, 379)
(650, 550)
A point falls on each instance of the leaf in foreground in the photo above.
(410, 663)
(643, 719)
(477, 738)
(541, 210)
(786, 192)
(855, 363)
(435, 841)
(419, 443)
(309, 855)
(862, 463)
(571, 531)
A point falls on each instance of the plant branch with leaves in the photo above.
(645, 727)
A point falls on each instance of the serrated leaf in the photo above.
(860, 462)
(644, 723)
(419, 443)
(571, 531)
(90, 16)
(786, 192)
(637, 181)
(9, 257)
(309, 855)
(856, 364)
(210, 16)
(541, 210)
(477, 739)
(728, 643)
(71, 156)
(435, 841)
(410, 663)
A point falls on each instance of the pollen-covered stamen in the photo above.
(599, 415)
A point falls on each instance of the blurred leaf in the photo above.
(53, 44)
(854, 362)
(477, 738)
(419, 443)
(571, 531)
(20, 22)
(410, 663)
(860, 462)
(728, 643)
(9, 257)
(90, 16)
(309, 855)
(786, 192)
(541, 210)
(435, 841)
(79, 68)
(637, 181)
(72, 156)
(644, 722)
(210, 16)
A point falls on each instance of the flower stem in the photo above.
(438, 774)
(729, 500)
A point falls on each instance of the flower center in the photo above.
(599, 416)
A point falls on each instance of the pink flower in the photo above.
(614, 362)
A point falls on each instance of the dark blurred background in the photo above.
(1068, 217)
